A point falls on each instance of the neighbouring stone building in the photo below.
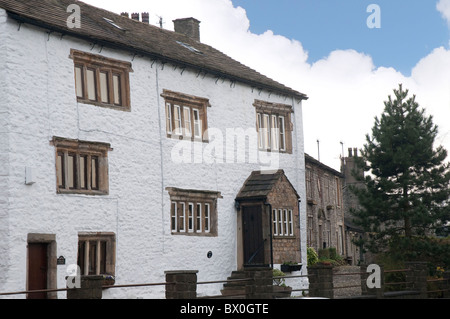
(351, 174)
(325, 207)
(329, 200)
(128, 150)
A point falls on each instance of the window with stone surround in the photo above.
(273, 124)
(193, 212)
(283, 222)
(96, 253)
(101, 81)
(81, 167)
(186, 116)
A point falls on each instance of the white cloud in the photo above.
(443, 6)
(346, 89)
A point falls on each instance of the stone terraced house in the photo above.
(129, 150)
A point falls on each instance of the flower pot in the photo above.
(291, 268)
(282, 292)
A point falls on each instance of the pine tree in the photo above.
(406, 193)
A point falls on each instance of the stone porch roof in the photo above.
(259, 184)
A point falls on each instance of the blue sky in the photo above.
(410, 29)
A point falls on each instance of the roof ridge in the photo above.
(141, 38)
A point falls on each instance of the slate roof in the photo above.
(139, 38)
(259, 184)
(312, 160)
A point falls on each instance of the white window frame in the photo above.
(178, 129)
(286, 222)
(187, 121)
(182, 216)
(266, 131)
(260, 131)
(207, 218)
(291, 222)
(280, 222)
(169, 118)
(282, 133)
(198, 218)
(275, 138)
(191, 217)
(275, 222)
(197, 123)
(79, 80)
(174, 217)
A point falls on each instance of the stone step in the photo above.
(234, 284)
(238, 275)
(233, 291)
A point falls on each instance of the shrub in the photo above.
(278, 281)
(312, 256)
(330, 256)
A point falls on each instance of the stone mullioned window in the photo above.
(186, 116)
(101, 81)
(81, 167)
(274, 127)
(193, 212)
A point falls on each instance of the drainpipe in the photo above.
(270, 231)
(300, 231)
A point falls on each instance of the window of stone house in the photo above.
(283, 222)
(96, 253)
(186, 116)
(338, 192)
(193, 212)
(308, 179)
(274, 133)
(101, 81)
(326, 182)
(81, 167)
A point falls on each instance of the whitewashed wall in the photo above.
(37, 82)
(4, 157)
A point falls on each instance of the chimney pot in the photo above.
(145, 17)
(125, 14)
(355, 151)
(135, 16)
(189, 27)
(350, 154)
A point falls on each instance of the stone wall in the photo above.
(286, 249)
(325, 210)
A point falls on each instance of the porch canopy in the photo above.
(262, 195)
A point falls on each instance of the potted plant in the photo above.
(280, 290)
(290, 267)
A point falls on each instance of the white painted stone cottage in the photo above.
(129, 150)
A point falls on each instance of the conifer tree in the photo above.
(406, 193)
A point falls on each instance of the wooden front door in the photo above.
(253, 241)
(37, 269)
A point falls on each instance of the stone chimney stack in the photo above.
(189, 27)
(125, 14)
(135, 16)
(145, 17)
(349, 167)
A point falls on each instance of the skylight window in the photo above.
(190, 48)
(111, 22)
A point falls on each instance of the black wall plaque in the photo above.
(61, 260)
